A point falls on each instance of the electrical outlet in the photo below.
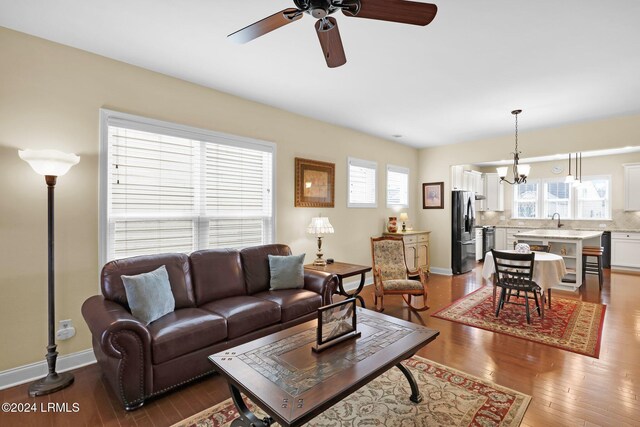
(66, 330)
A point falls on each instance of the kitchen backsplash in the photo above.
(622, 220)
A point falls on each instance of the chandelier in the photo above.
(520, 172)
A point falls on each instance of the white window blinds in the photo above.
(362, 183)
(171, 188)
(397, 186)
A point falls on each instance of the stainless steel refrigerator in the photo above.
(463, 239)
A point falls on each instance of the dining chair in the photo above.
(391, 275)
(514, 272)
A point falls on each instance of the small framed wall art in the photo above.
(314, 184)
(433, 195)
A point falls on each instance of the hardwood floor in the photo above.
(568, 389)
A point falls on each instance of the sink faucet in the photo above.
(554, 215)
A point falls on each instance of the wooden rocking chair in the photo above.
(391, 275)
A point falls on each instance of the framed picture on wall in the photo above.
(314, 184)
(433, 195)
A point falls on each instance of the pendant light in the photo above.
(570, 177)
(520, 172)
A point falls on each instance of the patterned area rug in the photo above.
(451, 398)
(570, 324)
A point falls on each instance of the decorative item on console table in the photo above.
(392, 224)
(416, 249)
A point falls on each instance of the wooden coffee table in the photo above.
(342, 270)
(292, 384)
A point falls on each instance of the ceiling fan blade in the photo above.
(330, 41)
(265, 25)
(405, 12)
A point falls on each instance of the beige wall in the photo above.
(50, 96)
(435, 164)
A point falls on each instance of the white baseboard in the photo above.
(442, 271)
(34, 371)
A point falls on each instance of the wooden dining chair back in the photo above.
(514, 272)
(391, 275)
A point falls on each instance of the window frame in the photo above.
(369, 164)
(541, 202)
(145, 124)
(406, 172)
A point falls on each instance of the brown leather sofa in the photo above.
(222, 299)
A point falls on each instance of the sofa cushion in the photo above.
(149, 294)
(184, 331)
(294, 303)
(217, 274)
(245, 314)
(287, 272)
(255, 264)
(177, 266)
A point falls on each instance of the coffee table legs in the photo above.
(416, 397)
(246, 417)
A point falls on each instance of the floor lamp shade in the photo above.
(51, 164)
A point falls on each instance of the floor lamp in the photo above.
(51, 164)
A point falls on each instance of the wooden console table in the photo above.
(416, 249)
(342, 270)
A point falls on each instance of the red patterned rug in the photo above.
(451, 398)
(570, 324)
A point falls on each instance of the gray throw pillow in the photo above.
(149, 295)
(287, 272)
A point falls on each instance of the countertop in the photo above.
(561, 234)
(601, 229)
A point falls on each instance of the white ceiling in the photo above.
(454, 80)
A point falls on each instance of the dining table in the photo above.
(548, 271)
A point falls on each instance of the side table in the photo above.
(342, 270)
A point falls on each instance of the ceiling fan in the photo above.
(405, 12)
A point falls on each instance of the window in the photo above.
(593, 198)
(397, 186)
(590, 199)
(172, 188)
(525, 200)
(557, 198)
(362, 183)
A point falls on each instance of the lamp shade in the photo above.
(49, 162)
(320, 225)
(502, 171)
(524, 170)
(404, 216)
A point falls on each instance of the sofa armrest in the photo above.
(125, 346)
(321, 283)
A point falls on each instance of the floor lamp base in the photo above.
(50, 384)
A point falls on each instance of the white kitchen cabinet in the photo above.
(625, 250)
(501, 239)
(479, 253)
(456, 177)
(632, 187)
(467, 180)
(493, 192)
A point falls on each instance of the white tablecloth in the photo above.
(548, 269)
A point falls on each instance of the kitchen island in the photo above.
(568, 244)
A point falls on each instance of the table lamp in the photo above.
(320, 225)
(404, 218)
(51, 164)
